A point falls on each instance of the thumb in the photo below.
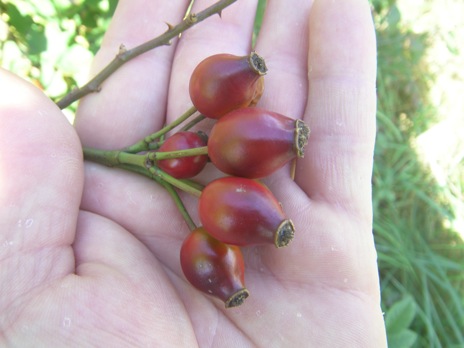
(41, 180)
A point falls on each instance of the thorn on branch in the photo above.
(170, 26)
(125, 54)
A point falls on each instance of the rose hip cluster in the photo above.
(246, 143)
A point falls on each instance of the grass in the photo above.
(421, 258)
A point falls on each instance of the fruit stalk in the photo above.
(138, 164)
(143, 145)
(157, 156)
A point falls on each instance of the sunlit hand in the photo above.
(89, 255)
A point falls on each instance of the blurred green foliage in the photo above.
(52, 42)
(420, 258)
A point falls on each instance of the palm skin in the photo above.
(89, 255)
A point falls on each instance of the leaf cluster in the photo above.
(52, 42)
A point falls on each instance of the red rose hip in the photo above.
(242, 211)
(213, 267)
(224, 82)
(183, 167)
(253, 142)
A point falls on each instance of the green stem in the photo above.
(196, 151)
(193, 184)
(143, 163)
(178, 202)
(114, 158)
(180, 184)
(144, 144)
(172, 192)
(137, 170)
(193, 122)
(107, 158)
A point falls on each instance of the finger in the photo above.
(334, 226)
(132, 101)
(283, 42)
(341, 105)
(229, 33)
(41, 179)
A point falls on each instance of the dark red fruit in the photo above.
(224, 82)
(242, 211)
(183, 167)
(213, 267)
(253, 142)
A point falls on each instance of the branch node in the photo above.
(191, 18)
(94, 88)
(122, 49)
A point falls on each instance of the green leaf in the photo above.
(400, 315)
(403, 339)
(37, 42)
(20, 22)
(112, 8)
(394, 16)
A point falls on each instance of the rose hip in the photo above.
(213, 267)
(183, 167)
(224, 82)
(242, 211)
(253, 142)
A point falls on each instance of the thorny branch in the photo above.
(125, 54)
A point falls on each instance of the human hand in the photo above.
(89, 255)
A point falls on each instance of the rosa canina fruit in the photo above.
(253, 142)
(213, 267)
(183, 167)
(243, 211)
(224, 82)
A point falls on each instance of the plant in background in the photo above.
(397, 322)
(420, 257)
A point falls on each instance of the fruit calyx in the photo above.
(237, 299)
(284, 234)
(302, 132)
(257, 63)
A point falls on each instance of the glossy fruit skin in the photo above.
(183, 167)
(225, 82)
(252, 142)
(242, 211)
(213, 267)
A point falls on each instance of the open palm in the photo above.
(89, 255)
